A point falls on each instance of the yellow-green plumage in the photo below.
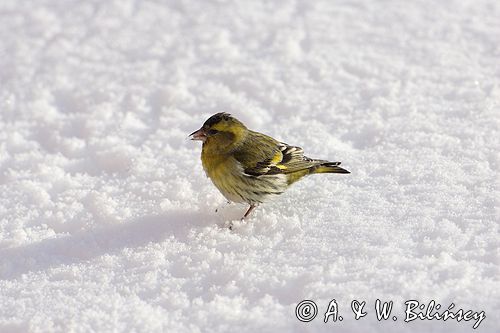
(247, 166)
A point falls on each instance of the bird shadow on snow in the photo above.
(87, 244)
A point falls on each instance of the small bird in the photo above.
(251, 167)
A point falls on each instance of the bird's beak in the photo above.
(199, 135)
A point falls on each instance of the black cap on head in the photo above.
(216, 118)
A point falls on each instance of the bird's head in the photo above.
(221, 131)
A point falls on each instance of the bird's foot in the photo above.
(229, 225)
(234, 224)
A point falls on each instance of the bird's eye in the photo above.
(212, 132)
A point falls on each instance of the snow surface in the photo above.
(108, 222)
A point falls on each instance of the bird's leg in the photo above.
(250, 209)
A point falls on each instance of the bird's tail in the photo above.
(328, 167)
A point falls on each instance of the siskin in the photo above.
(251, 167)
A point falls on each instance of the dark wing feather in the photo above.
(257, 155)
(262, 155)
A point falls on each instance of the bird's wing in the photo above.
(267, 156)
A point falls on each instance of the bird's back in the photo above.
(262, 155)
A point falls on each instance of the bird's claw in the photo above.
(229, 225)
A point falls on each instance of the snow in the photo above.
(108, 222)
